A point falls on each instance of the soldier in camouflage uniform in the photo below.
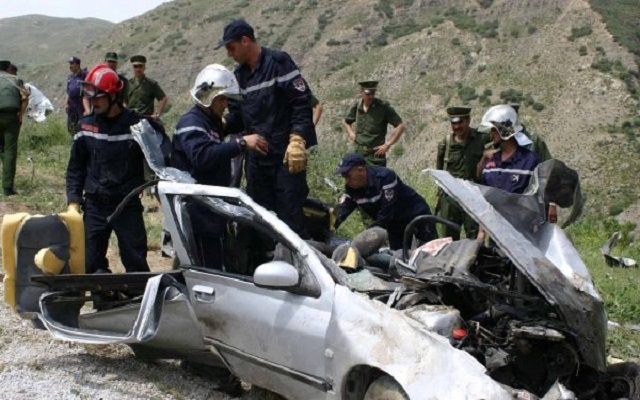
(459, 153)
(142, 91)
(371, 117)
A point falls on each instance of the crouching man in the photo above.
(380, 194)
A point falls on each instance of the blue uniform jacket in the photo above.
(198, 148)
(105, 159)
(277, 102)
(512, 175)
(386, 199)
(74, 92)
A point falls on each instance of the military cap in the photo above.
(234, 30)
(138, 59)
(4, 65)
(74, 60)
(457, 113)
(368, 86)
(349, 161)
(111, 56)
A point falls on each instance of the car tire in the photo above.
(623, 381)
(385, 388)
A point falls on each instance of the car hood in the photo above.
(542, 252)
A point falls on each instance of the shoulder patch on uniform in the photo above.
(299, 84)
(389, 194)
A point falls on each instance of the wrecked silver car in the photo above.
(457, 320)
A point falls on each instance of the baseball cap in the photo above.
(234, 30)
(349, 161)
(74, 60)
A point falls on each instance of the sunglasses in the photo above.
(138, 66)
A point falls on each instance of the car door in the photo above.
(269, 337)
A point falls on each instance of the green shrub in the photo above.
(333, 42)
(580, 32)
(538, 107)
(583, 50)
(531, 29)
(485, 3)
(515, 31)
(467, 94)
(482, 67)
(487, 93)
(404, 28)
(456, 41)
(380, 40)
(602, 64)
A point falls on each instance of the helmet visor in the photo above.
(90, 91)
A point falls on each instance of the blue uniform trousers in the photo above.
(273, 187)
(129, 229)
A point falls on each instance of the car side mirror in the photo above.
(276, 275)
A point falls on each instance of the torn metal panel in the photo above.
(537, 250)
(615, 261)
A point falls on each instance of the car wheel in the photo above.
(385, 388)
(623, 381)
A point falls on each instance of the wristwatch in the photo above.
(243, 144)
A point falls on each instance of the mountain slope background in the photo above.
(578, 85)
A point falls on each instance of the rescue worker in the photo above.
(237, 163)
(510, 167)
(14, 99)
(277, 106)
(142, 91)
(75, 106)
(105, 165)
(198, 148)
(111, 59)
(538, 145)
(371, 117)
(459, 153)
(381, 195)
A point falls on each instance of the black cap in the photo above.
(4, 65)
(74, 60)
(349, 161)
(234, 30)
(457, 113)
(138, 59)
(111, 56)
(368, 86)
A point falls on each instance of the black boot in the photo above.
(9, 192)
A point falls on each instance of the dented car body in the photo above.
(521, 320)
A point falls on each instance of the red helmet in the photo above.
(101, 81)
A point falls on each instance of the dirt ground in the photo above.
(35, 366)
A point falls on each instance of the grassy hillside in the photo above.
(33, 40)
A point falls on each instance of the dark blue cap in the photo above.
(349, 161)
(74, 60)
(234, 30)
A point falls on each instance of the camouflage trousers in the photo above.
(453, 212)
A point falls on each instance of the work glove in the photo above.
(74, 207)
(296, 155)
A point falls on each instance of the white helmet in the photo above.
(503, 118)
(214, 80)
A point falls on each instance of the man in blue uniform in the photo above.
(276, 105)
(74, 105)
(511, 167)
(382, 195)
(198, 148)
(105, 165)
